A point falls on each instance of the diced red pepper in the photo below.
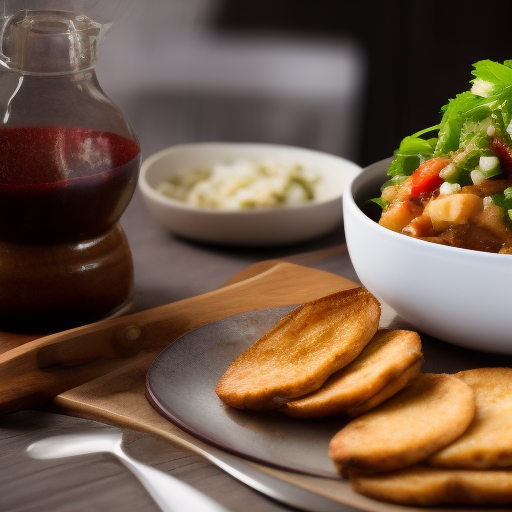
(504, 153)
(425, 178)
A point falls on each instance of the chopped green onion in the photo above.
(450, 171)
(477, 177)
(487, 163)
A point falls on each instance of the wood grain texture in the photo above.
(307, 259)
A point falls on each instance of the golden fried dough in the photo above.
(423, 486)
(432, 411)
(381, 362)
(297, 355)
(387, 391)
(487, 443)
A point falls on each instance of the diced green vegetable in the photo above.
(489, 166)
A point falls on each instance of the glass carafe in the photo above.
(69, 162)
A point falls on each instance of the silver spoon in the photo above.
(170, 494)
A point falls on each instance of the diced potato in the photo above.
(453, 209)
(399, 215)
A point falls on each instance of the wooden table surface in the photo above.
(167, 269)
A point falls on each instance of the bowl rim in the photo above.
(159, 198)
(451, 251)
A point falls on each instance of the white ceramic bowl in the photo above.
(272, 226)
(457, 295)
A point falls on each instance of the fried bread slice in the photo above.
(382, 361)
(431, 412)
(387, 391)
(426, 486)
(297, 355)
(487, 443)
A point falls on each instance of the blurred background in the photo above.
(350, 78)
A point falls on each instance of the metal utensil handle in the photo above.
(170, 494)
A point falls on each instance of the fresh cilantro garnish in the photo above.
(452, 122)
(499, 75)
(412, 151)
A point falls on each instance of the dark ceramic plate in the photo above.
(181, 386)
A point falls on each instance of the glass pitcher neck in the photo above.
(49, 42)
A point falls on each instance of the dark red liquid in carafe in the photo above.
(62, 184)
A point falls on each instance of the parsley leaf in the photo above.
(500, 75)
(412, 151)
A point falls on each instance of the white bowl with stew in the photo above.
(460, 296)
(266, 226)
